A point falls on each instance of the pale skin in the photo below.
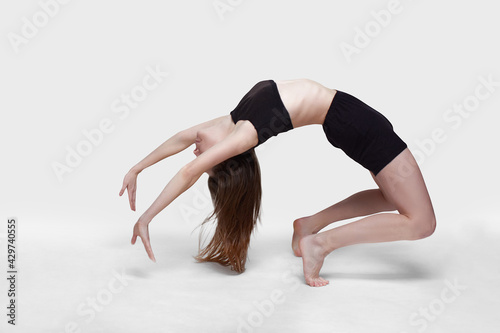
(401, 186)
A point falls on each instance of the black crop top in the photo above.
(263, 107)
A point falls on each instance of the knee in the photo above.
(422, 226)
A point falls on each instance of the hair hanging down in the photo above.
(235, 188)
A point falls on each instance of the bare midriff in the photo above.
(307, 101)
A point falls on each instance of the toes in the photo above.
(323, 282)
(317, 282)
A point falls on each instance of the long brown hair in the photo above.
(235, 188)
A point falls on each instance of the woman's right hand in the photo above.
(130, 183)
(141, 229)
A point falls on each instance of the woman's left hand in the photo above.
(130, 184)
(141, 229)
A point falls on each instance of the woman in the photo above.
(225, 151)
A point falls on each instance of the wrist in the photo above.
(145, 219)
(135, 170)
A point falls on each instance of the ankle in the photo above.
(326, 245)
(313, 221)
(306, 223)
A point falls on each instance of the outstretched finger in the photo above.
(148, 248)
(122, 190)
(134, 238)
(132, 202)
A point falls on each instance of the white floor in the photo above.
(68, 283)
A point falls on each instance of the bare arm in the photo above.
(172, 146)
(175, 144)
(235, 143)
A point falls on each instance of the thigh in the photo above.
(403, 185)
(362, 132)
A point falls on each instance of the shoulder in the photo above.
(190, 133)
(240, 139)
(246, 133)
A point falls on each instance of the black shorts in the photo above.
(363, 133)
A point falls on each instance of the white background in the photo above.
(74, 232)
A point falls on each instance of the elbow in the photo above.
(189, 174)
(184, 137)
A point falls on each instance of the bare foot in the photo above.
(312, 259)
(301, 228)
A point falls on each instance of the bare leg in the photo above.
(360, 204)
(402, 185)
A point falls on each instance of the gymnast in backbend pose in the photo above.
(225, 151)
